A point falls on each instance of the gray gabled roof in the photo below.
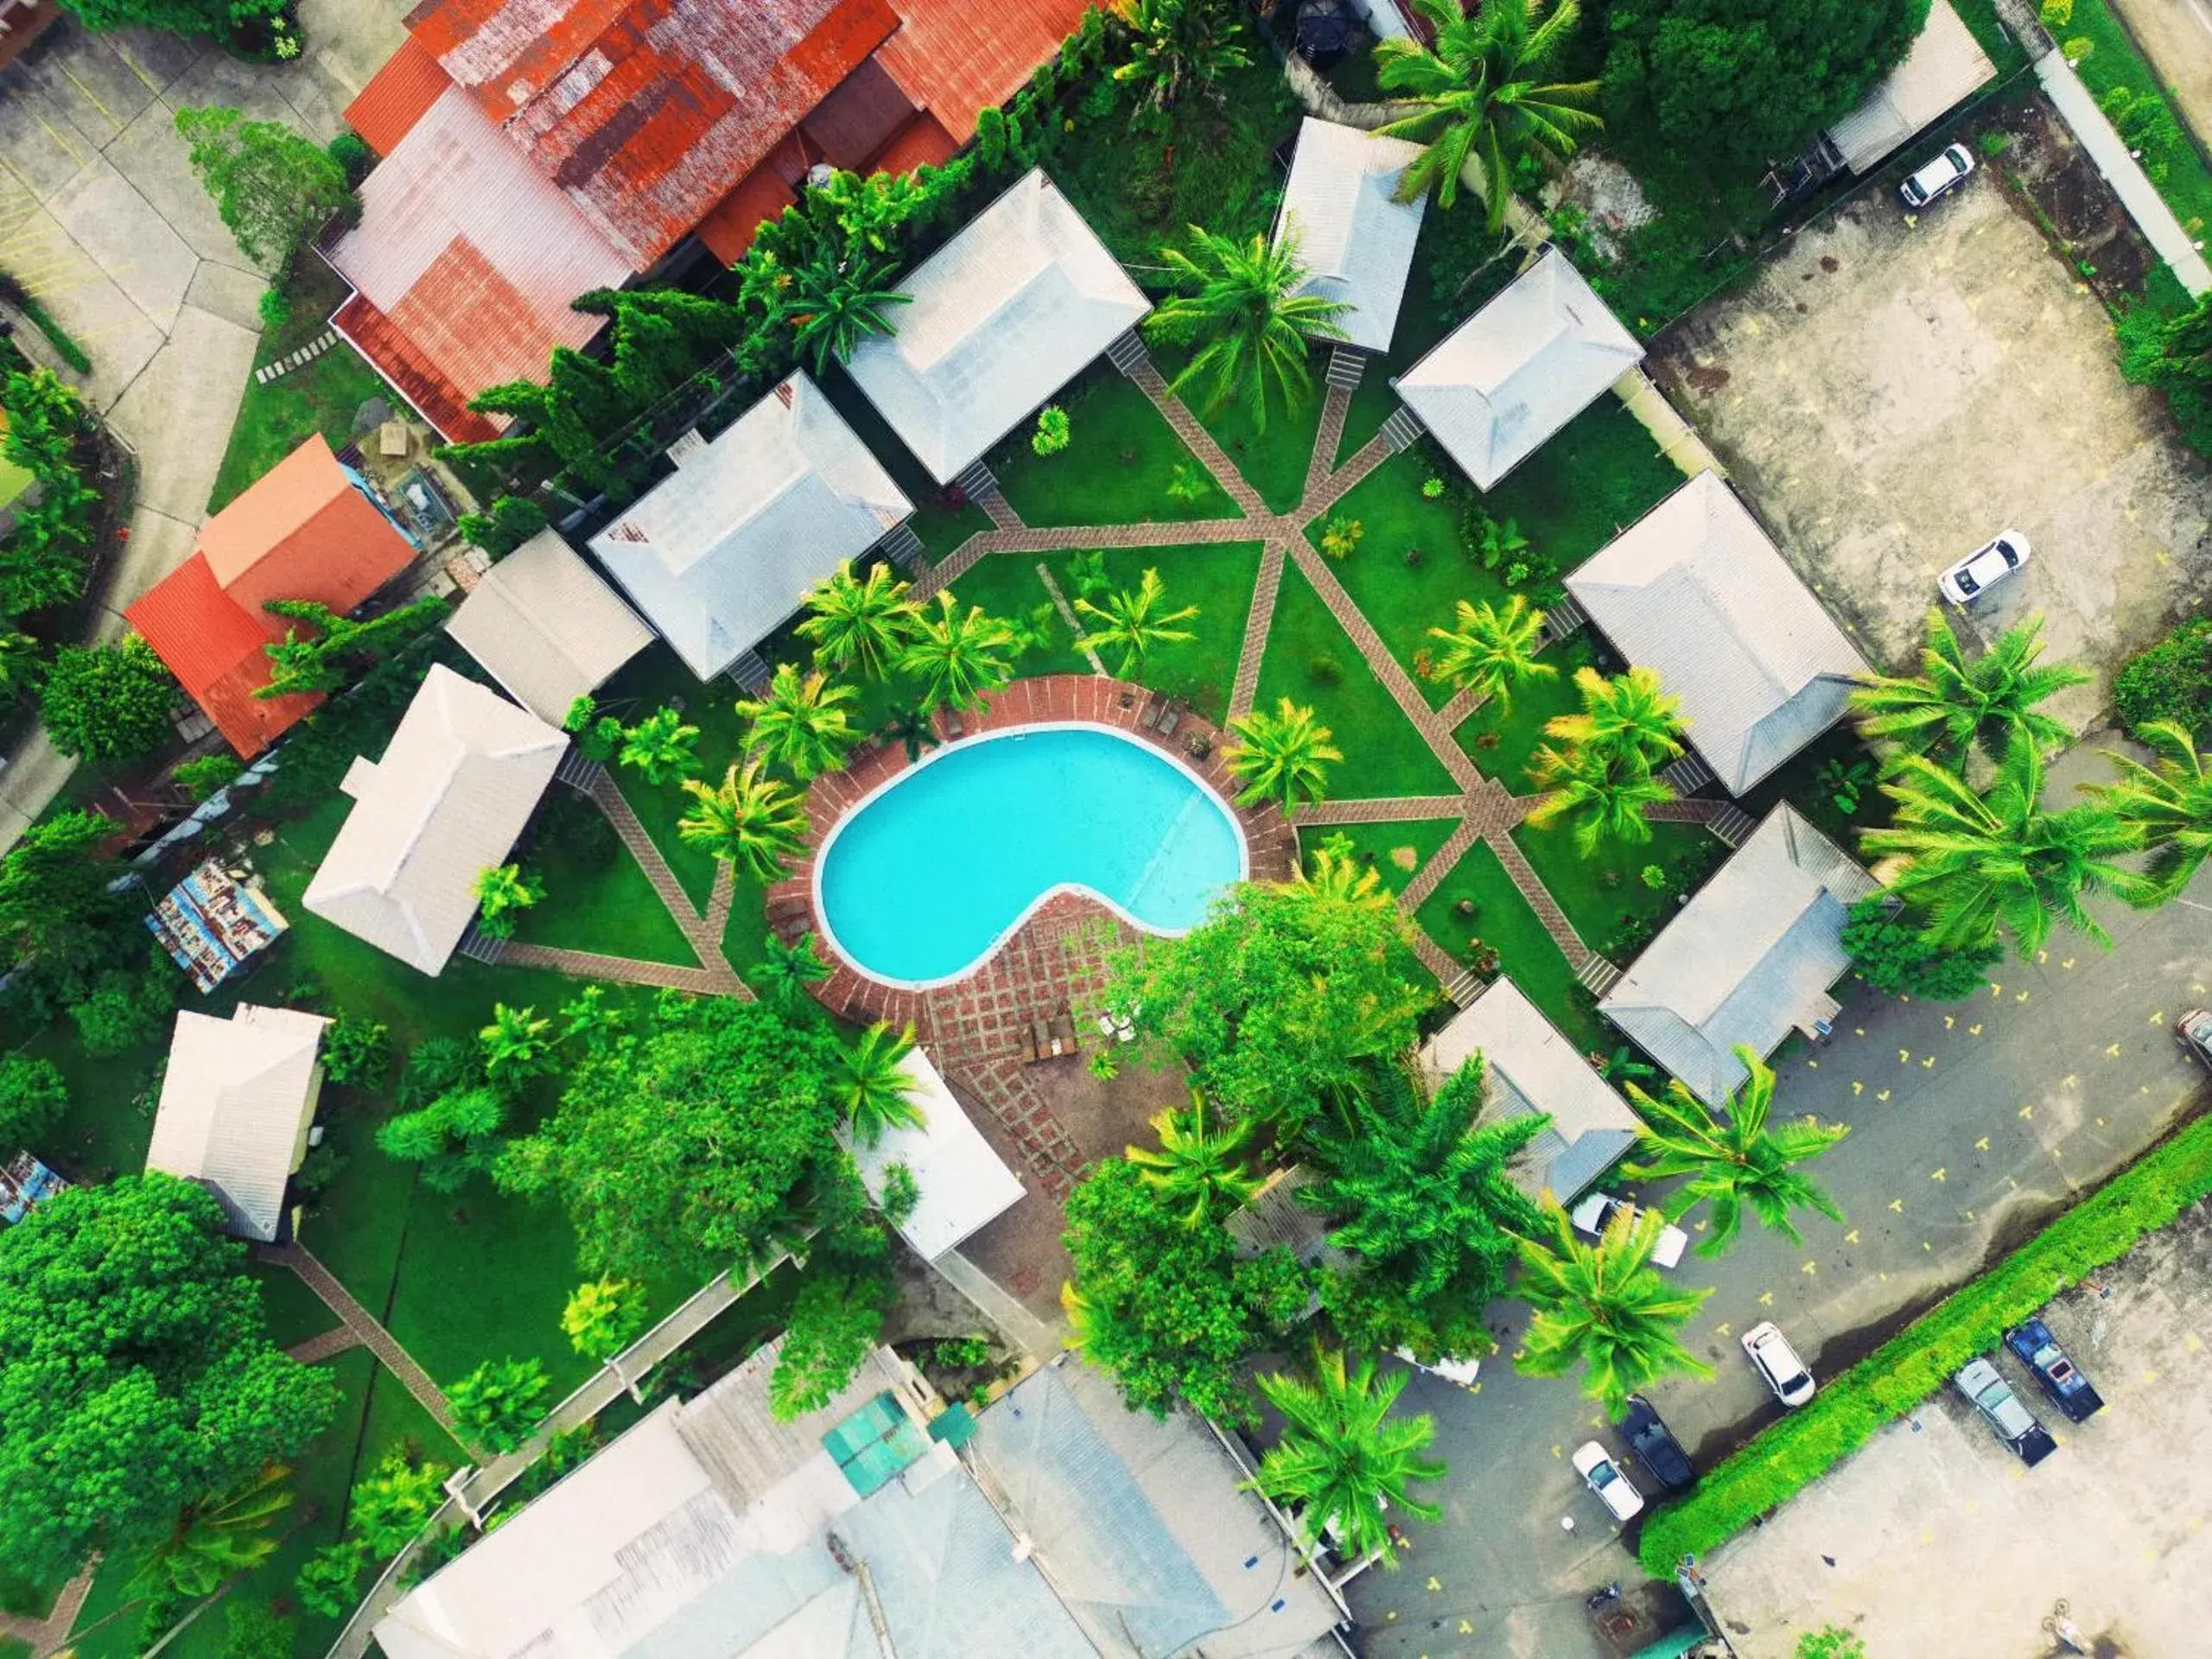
(1695, 590)
(1518, 370)
(1353, 236)
(237, 1102)
(722, 551)
(1945, 64)
(458, 781)
(1748, 960)
(543, 625)
(1529, 1068)
(1000, 318)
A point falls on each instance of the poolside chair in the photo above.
(1064, 1032)
(1155, 706)
(1171, 717)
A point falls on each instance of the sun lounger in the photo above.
(1170, 718)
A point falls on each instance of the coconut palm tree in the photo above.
(2168, 804)
(1601, 793)
(1338, 877)
(1342, 1456)
(1483, 95)
(1202, 1167)
(1956, 704)
(802, 724)
(661, 747)
(1628, 714)
(1732, 1159)
(1493, 650)
(960, 658)
(1282, 757)
(860, 625)
(1174, 44)
(216, 1538)
(1979, 864)
(748, 820)
(1602, 1304)
(785, 971)
(1240, 306)
(913, 729)
(876, 1091)
(1132, 621)
(832, 304)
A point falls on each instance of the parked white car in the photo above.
(1778, 1363)
(1595, 1213)
(1938, 178)
(1986, 565)
(1604, 1476)
(1461, 1372)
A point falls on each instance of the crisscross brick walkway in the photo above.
(357, 1319)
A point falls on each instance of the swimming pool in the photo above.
(919, 883)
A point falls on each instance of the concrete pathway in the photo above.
(2137, 193)
(2175, 35)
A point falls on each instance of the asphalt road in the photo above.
(1970, 1122)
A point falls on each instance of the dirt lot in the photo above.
(1935, 1540)
(1895, 391)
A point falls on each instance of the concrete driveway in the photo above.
(1894, 391)
(1970, 1122)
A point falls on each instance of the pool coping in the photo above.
(999, 941)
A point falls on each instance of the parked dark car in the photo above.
(2069, 1390)
(1654, 1445)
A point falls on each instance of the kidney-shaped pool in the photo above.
(921, 881)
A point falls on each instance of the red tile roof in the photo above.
(304, 531)
(956, 56)
(397, 96)
(644, 110)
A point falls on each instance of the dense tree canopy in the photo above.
(178, 16)
(55, 908)
(108, 703)
(136, 1376)
(272, 187)
(1746, 82)
(698, 1143)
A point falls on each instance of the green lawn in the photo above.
(1502, 921)
(1272, 458)
(596, 897)
(1592, 478)
(1502, 736)
(1605, 896)
(1394, 851)
(1120, 461)
(651, 681)
(1311, 661)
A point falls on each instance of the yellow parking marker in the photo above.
(1883, 1095)
(1810, 1269)
(1898, 1205)
(1812, 1065)
(1851, 1237)
(1432, 1586)
(2069, 962)
(1766, 1299)
(2022, 997)
(1982, 1145)
(1925, 1245)
(1883, 1277)
(2027, 1111)
(1903, 1054)
(1969, 1214)
(1700, 1225)
(1520, 1354)
(1597, 1422)
(1861, 1031)
(1928, 1064)
(1554, 1451)
(1973, 1031)
(2111, 1051)
(1724, 1329)
(1857, 1087)
(1465, 1628)
(2150, 1376)
(2192, 1342)
(1939, 1175)
(2101, 1122)
(2157, 1019)
(2042, 956)
(1995, 990)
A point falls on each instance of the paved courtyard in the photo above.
(1935, 1540)
(1894, 391)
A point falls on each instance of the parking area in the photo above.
(1936, 1540)
(1895, 389)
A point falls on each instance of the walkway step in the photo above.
(479, 946)
(578, 773)
(976, 482)
(1733, 824)
(1128, 354)
(1687, 775)
(1258, 623)
(750, 672)
(902, 547)
(1562, 617)
(1597, 974)
(1347, 368)
(1399, 431)
(1463, 987)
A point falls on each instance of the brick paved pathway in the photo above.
(51, 1634)
(1258, 624)
(1335, 406)
(628, 970)
(329, 1345)
(357, 1319)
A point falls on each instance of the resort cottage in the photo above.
(1353, 235)
(547, 627)
(238, 1102)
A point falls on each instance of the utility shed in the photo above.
(1944, 67)
(1353, 234)
(543, 625)
(964, 1185)
(237, 1102)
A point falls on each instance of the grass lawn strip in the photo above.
(1605, 895)
(1394, 851)
(1120, 460)
(1503, 921)
(1273, 460)
(2175, 166)
(601, 902)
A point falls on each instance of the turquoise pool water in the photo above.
(920, 882)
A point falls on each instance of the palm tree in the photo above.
(1131, 621)
(1197, 1166)
(1627, 714)
(218, 1538)
(1604, 1304)
(1483, 95)
(1602, 792)
(1955, 704)
(1493, 650)
(1732, 1159)
(785, 971)
(1979, 863)
(1175, 43)
(1342, 1456)
(960, 659)
(1242, 309)
(876, 1091)
(802, 724)
(834, 304)
(913, 729)
(860, 625)
(1341, 879)
(662, 746)
(1281, 757)
(2168, 804)
(748, 820)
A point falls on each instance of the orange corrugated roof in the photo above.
(435, 396)
(922, 143)
(728, 231)
(397, 96)
(955, 56)
(216, 650)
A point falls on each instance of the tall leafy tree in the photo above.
(214, 1541)
(178, 16)
(1343, 1455)
(341, 648)
(1283, 757)
(108, 703)
(1177, 45)
(1735, 1160)
(804, 724)
(136, 1377)
(663, 747)
(1165, 1307)
(757, 823)
(1980, 866)
(960, 658)
(1603, 1306)
(56, 912)
(1206, 1167)
(1958, 704)
(2167, 805)
(1493, 649)
(1629, 714)
(874, 1088)
(861, 624)
(1483, 95)
(1239, 303)
(1135, 621)
(273, 188)
(1599, 792)
(453, 1136)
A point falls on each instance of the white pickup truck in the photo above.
(1597, 1212)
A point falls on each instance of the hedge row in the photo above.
(1920, 1359)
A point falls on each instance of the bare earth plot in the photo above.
(1944, 1543)
(1893, 392)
